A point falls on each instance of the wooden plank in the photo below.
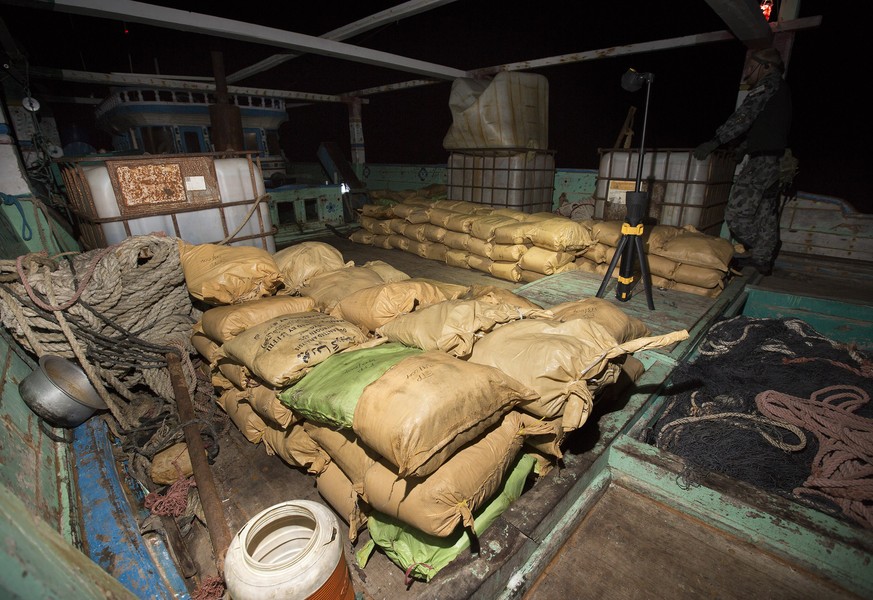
(631, 546)
(842, 321)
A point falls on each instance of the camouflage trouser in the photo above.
(753, 207)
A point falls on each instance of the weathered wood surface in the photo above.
(631, 546)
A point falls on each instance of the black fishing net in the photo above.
(775, 404)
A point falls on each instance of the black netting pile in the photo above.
(712, 420)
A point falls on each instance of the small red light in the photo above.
(766, 8)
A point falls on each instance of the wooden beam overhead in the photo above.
(745, 20)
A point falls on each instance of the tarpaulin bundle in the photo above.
(776, 404)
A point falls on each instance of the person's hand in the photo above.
(705, 149)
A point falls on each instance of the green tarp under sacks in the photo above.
(422, 554)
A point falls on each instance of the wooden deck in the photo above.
(591, 535)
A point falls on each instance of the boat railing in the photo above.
(166, 96)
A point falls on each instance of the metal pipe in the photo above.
(213, 511)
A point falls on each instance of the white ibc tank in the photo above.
(195, 227)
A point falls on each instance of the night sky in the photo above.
(693, 91)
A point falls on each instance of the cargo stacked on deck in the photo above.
(682, 190)
(499, 143)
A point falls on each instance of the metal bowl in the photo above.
(60, 392)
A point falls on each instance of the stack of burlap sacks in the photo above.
(420, 407)
(519, 247)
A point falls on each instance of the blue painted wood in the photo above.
(111, 533)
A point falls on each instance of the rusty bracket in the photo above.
(213, 510)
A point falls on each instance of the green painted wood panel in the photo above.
(842, 321)
(36, 562)
(33, 466)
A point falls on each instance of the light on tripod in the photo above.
(637, 203)
(633, 80)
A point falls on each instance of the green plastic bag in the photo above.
(329, 393)
(422, 554)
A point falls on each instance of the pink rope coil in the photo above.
(842, 470)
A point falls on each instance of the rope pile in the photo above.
(775, 404)
(117, 311)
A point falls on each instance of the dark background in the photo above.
(693, 91)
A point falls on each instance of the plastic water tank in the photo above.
(195, 227)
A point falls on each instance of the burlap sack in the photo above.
(399, 242)
(699, 276)
(345, 450)
(205, 347)
(691, 247)
(397, 226)
(514, 233)
(372, 307)
(330, 392)
(388, 273)
(415, 231)
(670, 284)
(556, 359)
(265, 402)
(244, 417)
(303, 261)
(329, 288)
(280, 350)
(560, 234)
(606, 232)
(427, 250)
(512, 213)
(508, 271)
(506, 252)
(545, 261)
(452, 220)
(484, 227)
(457, 258)
(479, 247)
(337, 490)
(447, 498)
(294, 446)
(171, 464)
(223, 323)
(462, 206)
(456, 241)
(362, 236)
(429, 405)
(496, 295)
(479, 263)
(549, 441)
(620, 325)
(377, 211)
(452, 326)
(412, 213)
(219, 274)
(235, 373)
(230, 396)
(376, 226)
(221, 385)
(381, 241)
(434, 233)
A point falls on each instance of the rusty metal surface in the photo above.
(213, 511)
(154, 186)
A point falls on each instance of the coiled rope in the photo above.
(842, 470)
(118, 311)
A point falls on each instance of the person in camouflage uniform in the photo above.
(762, 122)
